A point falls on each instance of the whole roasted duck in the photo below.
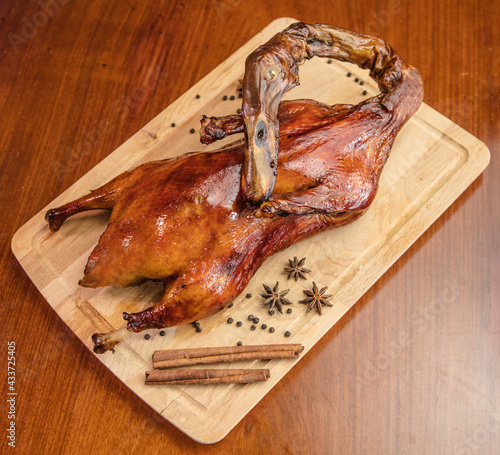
(203, 223)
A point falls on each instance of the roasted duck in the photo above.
(203, 223)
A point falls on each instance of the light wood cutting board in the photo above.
(433, 161)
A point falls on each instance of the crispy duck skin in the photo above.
(205, 222)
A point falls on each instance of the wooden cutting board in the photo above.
(433, 161)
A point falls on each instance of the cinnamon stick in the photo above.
(206, 376)
(225, 358)
(184, 357)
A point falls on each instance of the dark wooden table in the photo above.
(67, 65)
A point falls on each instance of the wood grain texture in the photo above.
(432, 162)
(385, 379)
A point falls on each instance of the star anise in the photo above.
(296, 270)
(316, 299)
(275, 298)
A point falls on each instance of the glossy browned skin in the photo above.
(192, 221)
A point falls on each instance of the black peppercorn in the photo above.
(224, 97)
(289, 311)
(349, 74)
(191, 130)
(253, 327)
(271, 312)
(365, 92)
(287, 333)
(238, 111)
(197, 96)
(230, 320)
(240, 95)
(230, 305)
(239, 323)
(356, 80)
(264, 326)
(248, 296)
(271, 329)
(162, 333)
(361, 83)
(240, 343)
(256, 320)
(251, 317)
(231, 97)
(197, 326)
(147, 336)
(172, 125)
(329, 61)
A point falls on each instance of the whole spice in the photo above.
(316, 299)
(197, 326)
(250, 317)
(239, 323)
(274, 298)
(289, 311)
(207, 376)
(147, 336)
(239, 343)
(271, 329)
(264, 326)
(248, 296)
(287, 333)
(253, 327)
(170, 358)
(256, 320)
(230, 320)
(162, 333)
(296, 270)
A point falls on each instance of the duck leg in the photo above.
(189, 298)
(103, 197)
(107, 341)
